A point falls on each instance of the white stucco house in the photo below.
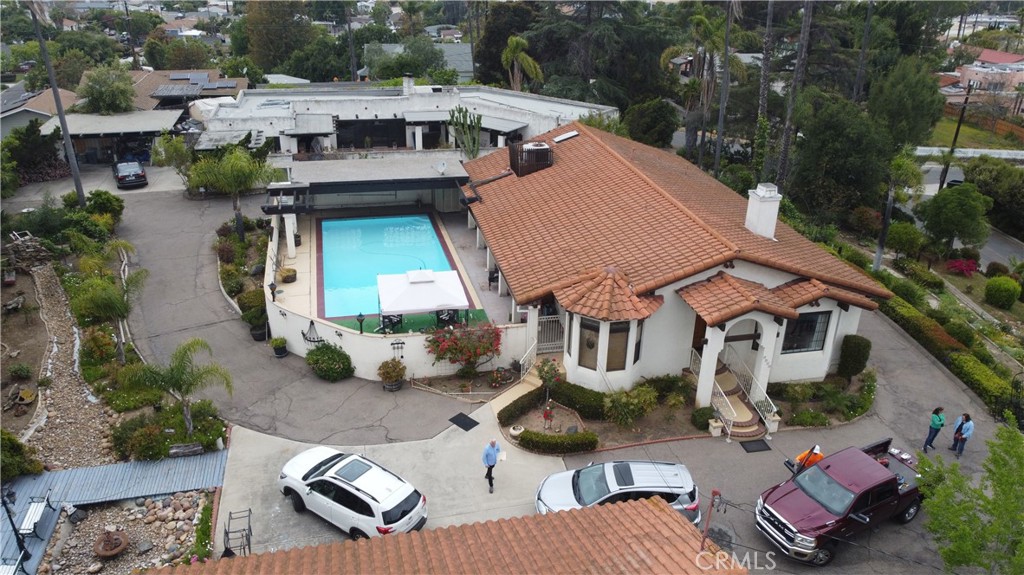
(644, 265)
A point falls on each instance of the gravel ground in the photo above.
(71, 429)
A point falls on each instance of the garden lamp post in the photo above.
(17, 534)
(273, 291)
(360, 318)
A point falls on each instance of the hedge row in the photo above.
(992, 389)
(558, 443)
(919, 273)
(587, 402)
(520, 406)
(922, 328)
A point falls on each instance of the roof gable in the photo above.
(607, 295)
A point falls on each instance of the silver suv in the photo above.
(357, 495)
(615, 481)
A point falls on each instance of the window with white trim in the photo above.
(618, 345)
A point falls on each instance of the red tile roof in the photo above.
(989, 56)
(608, 295)
(608, 200)
(644, 536)
(802, 292)
(722, 297)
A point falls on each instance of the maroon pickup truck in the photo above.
(808, 515)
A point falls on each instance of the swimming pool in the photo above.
(355, 250)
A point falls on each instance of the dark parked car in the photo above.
(26, 65)
(129, 174)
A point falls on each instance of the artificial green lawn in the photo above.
(411, 322)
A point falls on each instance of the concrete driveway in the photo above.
(280, 409)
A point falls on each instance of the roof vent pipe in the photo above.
(763, 210)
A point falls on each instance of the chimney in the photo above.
(407, 85)
(763, 210)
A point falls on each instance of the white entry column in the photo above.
(708, 364)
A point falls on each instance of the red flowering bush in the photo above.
(466, 346)
(965, 268)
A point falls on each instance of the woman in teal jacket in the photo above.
(938, 421)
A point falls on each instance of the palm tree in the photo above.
(232, 174)
(181, 378)
(798, 78)
(517, 62)
(732, 12)
(100, 299)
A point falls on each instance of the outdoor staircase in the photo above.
(748, 424)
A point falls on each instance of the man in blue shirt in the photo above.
(490, 458)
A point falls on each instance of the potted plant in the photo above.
(257, 320)
(280, 346)
(391, 373)
(287, 275)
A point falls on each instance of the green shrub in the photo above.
(853, 255)
(122, 397)
(798, 392)
(145, 437)
(862, 402)
(833, 400)
(911, 292)
(1002, 291)
(808, 418)
(97, 346)
(330, 362)
(991, 388)
(961, 332)
(701, 416)
(983, 354)
(940, 316)
(558, 443)
(16, 458)
(964, 253)
(252, 299)
(665, 385)
(887, 278)
(203, 546)
(19, 371)
(625, 407)
(866, 221)
(919, 274)
(994, 269)
(853, 355)
(520, 406)
(922, 328)
(589, 404)
(233, 286)
(255, 317)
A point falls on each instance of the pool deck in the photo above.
(301, 296)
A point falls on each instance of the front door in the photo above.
(700, 328)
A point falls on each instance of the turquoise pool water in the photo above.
(355, 251)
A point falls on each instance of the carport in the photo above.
(104, 139)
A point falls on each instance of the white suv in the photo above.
(357, 495)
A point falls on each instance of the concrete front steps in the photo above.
(748, 424)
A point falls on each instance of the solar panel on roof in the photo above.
(209, 85)
(179, 76)
(198, 78)
(228, 84)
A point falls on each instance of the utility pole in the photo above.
(131, 37)
(963, 111)
(69, 148)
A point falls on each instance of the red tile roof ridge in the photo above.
(605, 293)
(629, 165)
(872, 288)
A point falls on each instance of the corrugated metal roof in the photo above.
(85, 485)
(153, 121)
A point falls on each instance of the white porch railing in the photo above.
(753, 388)
(695, 362)
(529, 358)
(723, 409)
